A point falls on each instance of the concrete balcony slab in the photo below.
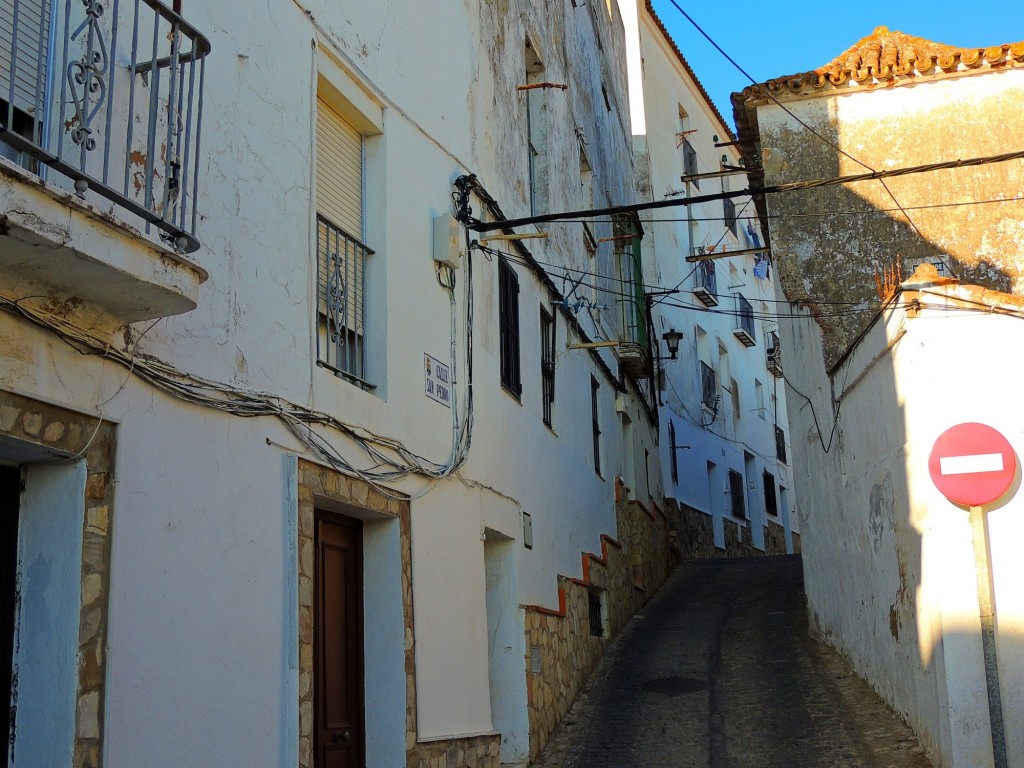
(54, 244)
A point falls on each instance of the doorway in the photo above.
(10, 491)
(339, 734)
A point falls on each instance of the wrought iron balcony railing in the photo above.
(107, 96)
(744, 330)
(706, 282)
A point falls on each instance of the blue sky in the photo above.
(783, 37)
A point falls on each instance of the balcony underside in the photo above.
(53, 244)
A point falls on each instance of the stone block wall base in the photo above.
(473, 752)
(561, 652)
(694, 538)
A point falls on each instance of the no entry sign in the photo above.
(972, 464)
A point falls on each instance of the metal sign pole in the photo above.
(983, 573)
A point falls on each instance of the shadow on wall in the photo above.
(864, 507)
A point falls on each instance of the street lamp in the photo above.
(672, 338)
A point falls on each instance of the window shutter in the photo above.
(30, 61)
(339, 171)
(339, 200)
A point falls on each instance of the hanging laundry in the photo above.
(761, 265)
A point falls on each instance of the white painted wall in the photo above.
(890, 570)
(719, 437)
(202, 630)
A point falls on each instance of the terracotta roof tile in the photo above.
(889, 57)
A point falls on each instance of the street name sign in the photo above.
(972, 464)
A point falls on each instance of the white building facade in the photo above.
(294, 474)
(884, 366)
(724, 428)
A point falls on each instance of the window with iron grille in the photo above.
(341, 255)
(547, 362)
(690, 162)
(596, 613)
(508, 317)
(729, 211)
(739, 507)
(745, 311)
(780, 444)
(596, 424)
(770, 504)
(708, 386)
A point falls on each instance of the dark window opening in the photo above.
(508, 314)
(547, 362)
(739, 507)
(729, 209)
(10, 493)
(596, 619)
(780, 444)
(672, 452)
(770, 504)
(596, 424)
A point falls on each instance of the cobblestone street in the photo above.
(718, 671)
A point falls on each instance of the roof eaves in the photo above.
(686, 65)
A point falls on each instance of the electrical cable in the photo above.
(807, 127)
(814, 214)
(389, 459)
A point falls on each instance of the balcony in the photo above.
(745, 327)
(706, 283)
(100, 124)
(632, 348)
(773, 355)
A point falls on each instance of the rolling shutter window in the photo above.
(339, 171)
(30, 58)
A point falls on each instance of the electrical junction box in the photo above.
(449, 241)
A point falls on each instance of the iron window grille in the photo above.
(708, 385)
(595, 423)
(739, 507)
(632, 301)
(707, 276)
(341, 267)
(770, 504)
(773, 354)
(108, 95)
(508, 317)
(780, 444)
(745, 315)
(547, 363)
(690, 162)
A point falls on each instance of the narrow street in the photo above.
(718, 671)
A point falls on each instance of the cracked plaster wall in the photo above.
(825, 259)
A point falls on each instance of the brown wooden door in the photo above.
(10, 492)
(338, 685)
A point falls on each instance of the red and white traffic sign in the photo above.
(972, 464)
